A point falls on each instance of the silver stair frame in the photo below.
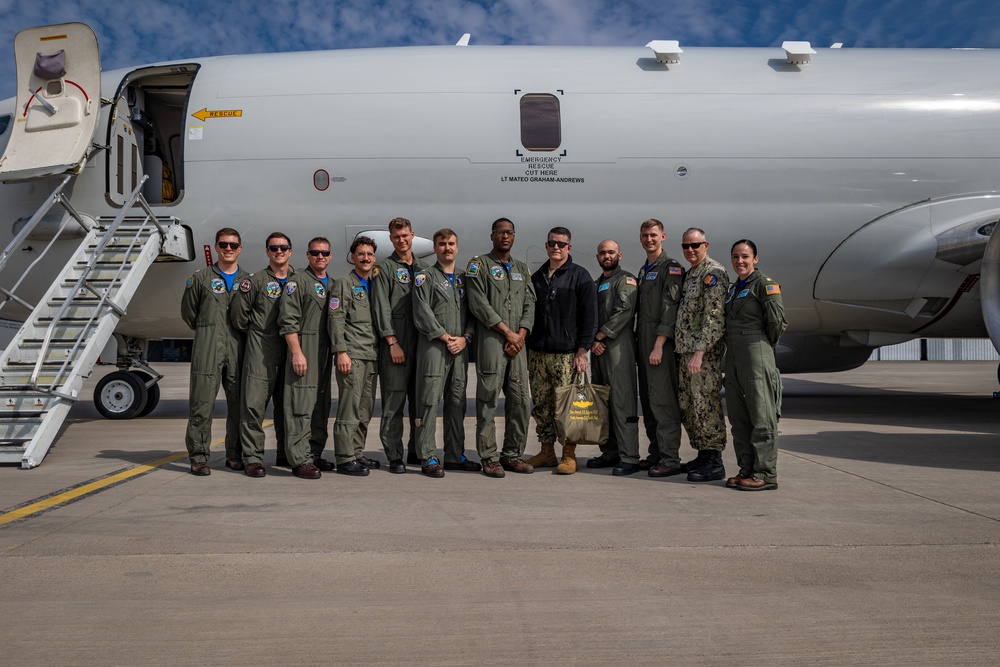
(33, 408)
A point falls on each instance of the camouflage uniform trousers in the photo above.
(701, 403)
(546, 372)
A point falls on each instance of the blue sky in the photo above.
(144, 31)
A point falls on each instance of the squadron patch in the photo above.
(730, 293)
(772, 289)
(360, 294)
(710, 280)
(676, 271)
(245, 286)
(629, 280)
(189, 283)
(473, 269)
(742, 293)
(497, 273)
(604, 288)
(290, 288)
(375, 272)
(218, 286)
(419, 280)
(320, 289)
(651, 275)
(403, 276)
(516, 276)
(334, 303)
(274, 289)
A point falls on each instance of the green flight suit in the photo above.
(755, 320)
(659, 296)
(352, 330)
(439, 308)
(303, 310)
(255, 312)
(497, 294)
(701, 325)
(392, 306)
(616, 299)
(216, 357)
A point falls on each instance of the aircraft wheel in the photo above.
(152, 393)
(120, 395)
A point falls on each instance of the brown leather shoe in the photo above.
(432, 469)
(660, 470)
(754, 484)
(307, 471)
(254, 470)
(323, 464)
(201, 469)
(734, 481)
(493, 469)
(516, 465)
(234, 464)
(647, 463)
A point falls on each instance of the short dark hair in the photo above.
(228, 231)
(444, 233)
(320, 239)
(748, 242)
(363, 240)
(498, 221)
(276, 235)
(561, 231)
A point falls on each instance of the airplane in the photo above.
(869, 178)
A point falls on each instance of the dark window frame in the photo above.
(541, 122)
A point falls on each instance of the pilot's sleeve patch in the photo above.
(375, 272)
(676, 271)
(473, 269)
(245, 285)
(631, 281)
(419, 280)
(334, 303)
(711, 280)
(772, 289)
(189, 283)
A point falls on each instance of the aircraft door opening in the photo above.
(145, 134)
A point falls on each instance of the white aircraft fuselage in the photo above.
(868, 178)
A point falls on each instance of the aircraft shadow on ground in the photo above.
(930, 450)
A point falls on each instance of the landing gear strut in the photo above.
(125, 393)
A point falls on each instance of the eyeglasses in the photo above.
(227, 245)
(552, 244)
(284, 247)
(319, 253)
(504, 232)
(693, 246)
(362, 253)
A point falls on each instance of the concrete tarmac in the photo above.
(879, 547)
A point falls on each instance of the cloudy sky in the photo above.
(144, 31)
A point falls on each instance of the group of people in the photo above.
(662, 335)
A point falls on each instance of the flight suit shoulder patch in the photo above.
(675, 270)
(711, 280)
(334, 303)
(375, 271)
(419, 279)
(473, 269)
(629, 280)
(772, 289)
(290, 288)
(245, 286)
(189, 283)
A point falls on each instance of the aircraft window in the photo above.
(540, 123)
(4, 123)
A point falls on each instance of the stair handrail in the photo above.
(55, 198)
(134, 198)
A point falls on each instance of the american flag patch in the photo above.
(772, 289)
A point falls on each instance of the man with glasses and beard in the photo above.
(217, 353)
(255, 312)
(302, 320)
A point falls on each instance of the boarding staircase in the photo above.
(43, 369)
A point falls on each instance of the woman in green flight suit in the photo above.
(755, 319)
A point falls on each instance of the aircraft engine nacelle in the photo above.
(989, 294)
(813, 353)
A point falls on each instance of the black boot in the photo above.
(711, 470)
(697, 462)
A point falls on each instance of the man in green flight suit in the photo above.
(614, 360)
(255, 312)
(217, 353)
(302, 322)
(502, 300)
(660, 281)
(392, 306)
(441, 316)
(355, 345)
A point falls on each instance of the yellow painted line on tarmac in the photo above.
(89, 488)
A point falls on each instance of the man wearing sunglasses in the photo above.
(217, 353)
(255, 312)
(564, 328)
(302, 321)
(701, 345)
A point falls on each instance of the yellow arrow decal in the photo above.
(218, 113)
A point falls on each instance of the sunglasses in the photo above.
(227, 245)
(284, 247)
(552, 244)
(319, 253)
(693, 246)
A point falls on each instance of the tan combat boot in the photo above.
(545, 458)
(568, 464)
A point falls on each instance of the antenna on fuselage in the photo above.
(464, 41)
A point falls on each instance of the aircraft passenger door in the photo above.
(124, 163)
(58, 101)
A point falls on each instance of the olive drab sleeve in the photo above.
(242, 304)
(623, 312)
(774, 311)
(476, 276)
(340, 300)
(528, 311)
(191, 301)
(290, 309)
(381, 287)
(424, 319)
(672, 289)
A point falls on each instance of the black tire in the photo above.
(120, 395)
(152, 393)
